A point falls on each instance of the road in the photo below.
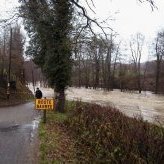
(18, 134)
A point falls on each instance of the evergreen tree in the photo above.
(49, 24)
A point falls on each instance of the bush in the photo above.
(105, 135)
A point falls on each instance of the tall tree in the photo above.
(159, 53)
(58, 60)
(110, 46)
(136, 47)
(49, 24)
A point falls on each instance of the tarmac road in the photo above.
(18, 134)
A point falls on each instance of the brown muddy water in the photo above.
(146, 104)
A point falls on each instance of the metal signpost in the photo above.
(44, 104)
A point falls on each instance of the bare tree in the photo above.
(136, 47)
(159, 53)
(117, 52)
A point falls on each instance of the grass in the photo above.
(56, 145)
(89, 133)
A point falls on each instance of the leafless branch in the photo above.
(89, 20)
(92, 3)
(90, 6)
(9, 21)
(152, 3)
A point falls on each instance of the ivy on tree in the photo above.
(49, 27)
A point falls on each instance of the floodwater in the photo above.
(146, 104)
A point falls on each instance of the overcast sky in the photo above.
(7, 7)
(130, 15)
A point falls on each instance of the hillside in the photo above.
(19, 95)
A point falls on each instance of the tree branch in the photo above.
(89, 20)
(152, 3)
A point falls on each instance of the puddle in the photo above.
(7, 127)
(34, 125)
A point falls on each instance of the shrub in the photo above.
(105, 135)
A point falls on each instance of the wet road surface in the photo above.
(18, 134)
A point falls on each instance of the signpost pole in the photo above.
(44, 105)
(44, 116)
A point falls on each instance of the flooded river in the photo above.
(147, 105)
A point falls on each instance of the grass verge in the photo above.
(56, 144)
(89, 133)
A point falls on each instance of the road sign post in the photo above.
(44, 116)
(44, 104)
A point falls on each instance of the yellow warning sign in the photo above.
(44, 104)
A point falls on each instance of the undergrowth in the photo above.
(21, 95)
(105, 135)
(89, 133)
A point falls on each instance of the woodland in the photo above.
(65, 50)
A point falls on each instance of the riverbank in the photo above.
(56, 143)
(89, 133)
(150, 106)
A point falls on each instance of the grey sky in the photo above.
(130, 15)
(7, 7)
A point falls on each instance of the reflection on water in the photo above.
(33, 126)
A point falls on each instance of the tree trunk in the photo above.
(157, 74)
(97, 74)
(86, 78)
(79, 74)
(114, 68)
(139, 85)
(60, 101)
(108, 63)
(113, 75)
(103, 74)
(139, 78)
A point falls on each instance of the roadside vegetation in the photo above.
(21, 95)
(89, 133)
(56, 143)
(12, 67)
